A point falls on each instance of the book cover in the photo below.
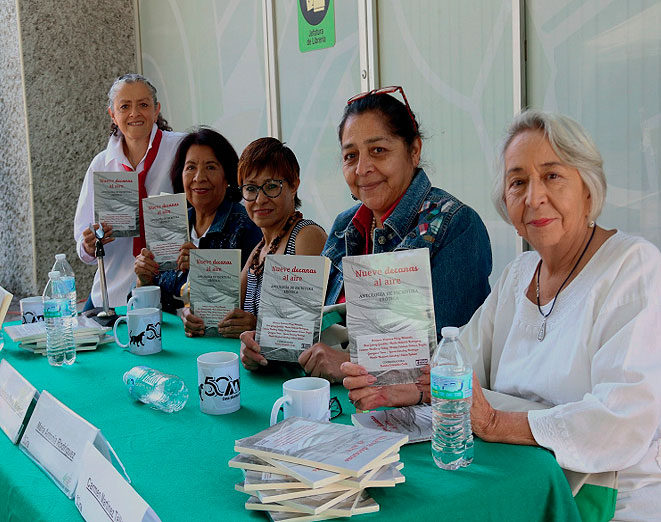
(291, 304)
(252, 463)
(321, 503)
(356, 504)
(263, 481)
(215, 284)
(116, 201)
(333, 447)
(166, 227)
(280, 495)
(5, 301)
(414, 421)
(390, 313)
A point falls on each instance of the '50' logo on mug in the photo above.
(223, 386)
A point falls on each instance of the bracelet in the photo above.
(420, 399)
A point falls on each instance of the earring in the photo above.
(354, 197)
(591, 224)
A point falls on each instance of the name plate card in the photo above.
(166, 227)
(103, 495)
(215, 284)
(55, 438)
(116, 200)
(16, 395)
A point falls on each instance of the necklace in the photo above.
(372, 229)
(257, 267)
(542, 329)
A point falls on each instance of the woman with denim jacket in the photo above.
(381, 146)
(204, 167)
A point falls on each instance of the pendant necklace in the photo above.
(541, 333)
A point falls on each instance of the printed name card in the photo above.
(390, 313)
(103, 495)
(166, 227)
(16, 395)
(215, 284)
(55, 438)
(116, 200)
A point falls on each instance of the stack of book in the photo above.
(87, 334)
(302, 470)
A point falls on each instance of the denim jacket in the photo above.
(458, 243)
(231, 228)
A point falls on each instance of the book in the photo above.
(355, 504)
(390, 313)
(116, 201)
(252, 463)
(414, 421)
(35, 332)
(263, 481)
(280, 495)
(83, 344)
(333, 447)
(291, 304)
(215, 284)
(5, 301)
(166, 227)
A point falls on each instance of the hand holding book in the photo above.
(236, 322)
(145, 267)
(251, 358)
(183, 261)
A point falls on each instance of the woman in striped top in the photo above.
(269, 177)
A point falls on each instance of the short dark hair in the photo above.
(396, 115)
(222, 149)
(271, 154)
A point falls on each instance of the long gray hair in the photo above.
(572, 144)
(161, 122)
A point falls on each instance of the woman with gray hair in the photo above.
(142, 141)
(573, 326)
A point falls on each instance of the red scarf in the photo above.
(139, 242)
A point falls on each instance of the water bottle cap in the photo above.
(450, 332)
(54, 274)
(60, 257)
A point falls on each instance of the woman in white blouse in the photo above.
(574, 325)
(142, 141)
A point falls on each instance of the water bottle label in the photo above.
(69, 284)
(52, 309)
(455, 387)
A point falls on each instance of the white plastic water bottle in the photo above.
(68, 280)
(159, 390)
(60, 345)
(451, 399)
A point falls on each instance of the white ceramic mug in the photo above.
(307, 397)
(32, 309)
(145, 297)
(218, 382)
(144, 326)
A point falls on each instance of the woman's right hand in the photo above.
(251, 358)
(193, 325)
(89, 239)
(145, 267)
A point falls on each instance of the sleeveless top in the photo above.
(254, 283)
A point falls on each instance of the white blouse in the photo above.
(598, 368)
(119, 258)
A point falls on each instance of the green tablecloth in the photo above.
(178, 462)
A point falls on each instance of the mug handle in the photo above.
(114, 330)
(129, 305)
(276, 407)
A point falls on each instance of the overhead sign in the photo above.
(316, 24)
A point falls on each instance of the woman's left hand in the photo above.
(183, 261)
(236, 322)
(367, 397)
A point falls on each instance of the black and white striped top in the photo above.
(254, 283)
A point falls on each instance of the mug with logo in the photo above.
(144, 326)
(32, 309)
(218, 382)
(307, 397)
(145, 297)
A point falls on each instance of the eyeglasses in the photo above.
(271, 189)
(386, 90)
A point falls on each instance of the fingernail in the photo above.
(371, 379)
(263, 362)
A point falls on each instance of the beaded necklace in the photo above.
(257, 267)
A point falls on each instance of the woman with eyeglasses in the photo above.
(269, 177)
(204, 168)
(398, 210)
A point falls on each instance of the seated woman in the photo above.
(381, 146)
(573, 325)
(204, 168)
(269, 176)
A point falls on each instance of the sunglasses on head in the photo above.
(385, 90)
